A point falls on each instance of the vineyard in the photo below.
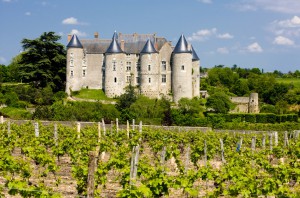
(98, 161)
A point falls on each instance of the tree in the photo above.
(4, 76)
(43, 62)
(219, 102)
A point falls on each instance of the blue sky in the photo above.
(248, 33)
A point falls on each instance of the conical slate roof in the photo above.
(148, 48)
(194, 55)
(74, 42)
(181, 46)
(114, 46)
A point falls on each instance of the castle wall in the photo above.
(253, 103)
(150, 75)
(165, 56)
(132, 67)
(74, 70)
(93, 71)
(114, 75)
(196, 79)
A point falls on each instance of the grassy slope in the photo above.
(94, 94)
(294, 81)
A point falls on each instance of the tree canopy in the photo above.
(43, 62)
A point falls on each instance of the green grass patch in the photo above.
(94, 94)
(294, 81)
(15, 113)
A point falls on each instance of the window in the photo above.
(71, 62)
(128, 66)
(137, 55)
(83, 73)
(163, 78)
(138, 66)
(115, 79)
(72, 55)
(163, 65)
(84, 62)
(149, 80)
(72, 73)
(114, 65)
(138, 80)
(182, 67)
(128, 79)
(149, 67)
(127, 55)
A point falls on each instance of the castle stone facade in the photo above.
(246, 104)
(145, 61)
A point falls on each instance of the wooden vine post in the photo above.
(270, 141)
(264, 141)
(187, 158)
(55, 135)
(222, 151)
(103, 126)
(1, 120)
(8, 128)
(91, 174)
(133, 124)
(36, 129)
(276, 138)
(286, 139)
(127, 129)
(117, 125)
(253, 142)
(99, 132)
(78, 129)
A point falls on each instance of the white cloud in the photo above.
(205, 1)
(2, 60)
(288, 28)
(281, 40)
(225, 36)
(202, 35)
(27, 13)
(281, 6)
(78, 33)
(223, 50)
(254, 47)
(70, 21)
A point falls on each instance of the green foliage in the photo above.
(43, 62)
(126, 99)
(219, 102)
(15, 113)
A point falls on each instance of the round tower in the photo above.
(74, 65)
(195, 74)
(114, 83)
(253, 103)
(182, 71)
(149, 71)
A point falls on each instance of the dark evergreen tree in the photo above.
(43, 62)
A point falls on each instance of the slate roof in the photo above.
(148, 48)
(114, 46)
(133, 43)
(194, 55)
(74, 42)
(181, 46)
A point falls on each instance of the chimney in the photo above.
(155, 44)
(122, 45)
(69, 37)
(96, 35)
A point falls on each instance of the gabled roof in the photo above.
(114, 46)
(133, 43)
(181, 46)
(74, 42)
(148, 48)
(194, 55)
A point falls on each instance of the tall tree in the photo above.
(44, 62)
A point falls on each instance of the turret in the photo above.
(182, 70)
(195, 74)
(74, 65)
(253, 103)
(114, 69)
(150, 77)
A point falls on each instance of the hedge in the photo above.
(253, 118)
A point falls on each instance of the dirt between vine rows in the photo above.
(67, 185)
